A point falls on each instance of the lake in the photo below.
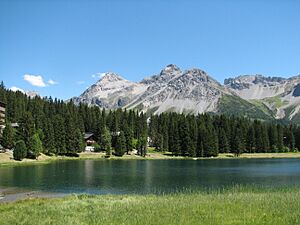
(150, 176)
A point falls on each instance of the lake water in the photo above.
(150, 176)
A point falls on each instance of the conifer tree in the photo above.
(237, 146)
(105, 143)
(8, 136)
(48, 140)
(129, 139)
(250, 140)
(193, 133)
(120, 148)
(273, 137)
(142, 145)
(27, 128)
(223, 142)
(159, 142)
(280, 138)
(59, 134)
(184, 137)
(35, 146)
(202, 133)
(70, 136)
(20, 150)
(78, 141)
(265, 138)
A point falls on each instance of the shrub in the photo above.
(20, 150)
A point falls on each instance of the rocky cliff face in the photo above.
(279, 95)
(111, 91)
(191, 91)
(194, 91)
(256, 86)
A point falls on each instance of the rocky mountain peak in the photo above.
(170, 69)
(253, 79)
(196, 73)
(110, 77)
(165, 75)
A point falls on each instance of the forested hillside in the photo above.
(60, 126)
(52, 126)
(205, 135)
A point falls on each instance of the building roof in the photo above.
(14, 124)
(2, 104)
(88, 135)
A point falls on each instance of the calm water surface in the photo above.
(150, 176)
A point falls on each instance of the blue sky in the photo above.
(70, 41)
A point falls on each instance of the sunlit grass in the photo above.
(238, 205)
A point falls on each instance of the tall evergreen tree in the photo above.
(202, 134)
(48, 140)
(59, 134)
(78, 141)
(8, 136)
(237, 146)
(120, 148)
(27, 128)
(223, 141)
(142, 145)
(185, 138)
(250, 140)
(35, 146)
(106, 141)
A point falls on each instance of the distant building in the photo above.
(2, 116)
(89, 139)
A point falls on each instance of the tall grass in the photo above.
(238, 205)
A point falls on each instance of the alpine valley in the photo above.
(193, 91)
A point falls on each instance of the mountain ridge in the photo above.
(194, 91)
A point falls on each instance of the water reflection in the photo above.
(150, 176)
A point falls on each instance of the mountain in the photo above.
(29, 93)
(278, 97)
(191, 91)
(111, 91)
(171, 90)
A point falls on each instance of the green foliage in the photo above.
(276, 101)
(120, 148)
(35, 146)
(78, 141)
(106, 141)
(206, 135)
(20, 150)
(26, 128)
(142, 145)
(8, 136)
(232, 105)
(61, 127)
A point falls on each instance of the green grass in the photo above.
(233, 105)
(261, 105)
(233, 206)
(276, 101)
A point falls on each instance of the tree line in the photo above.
(205, 135)
(54, 127)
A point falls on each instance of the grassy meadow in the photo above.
(233, 206)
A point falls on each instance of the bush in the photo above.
(20, 150)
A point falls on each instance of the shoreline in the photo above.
(12, 194)
(6, 159)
